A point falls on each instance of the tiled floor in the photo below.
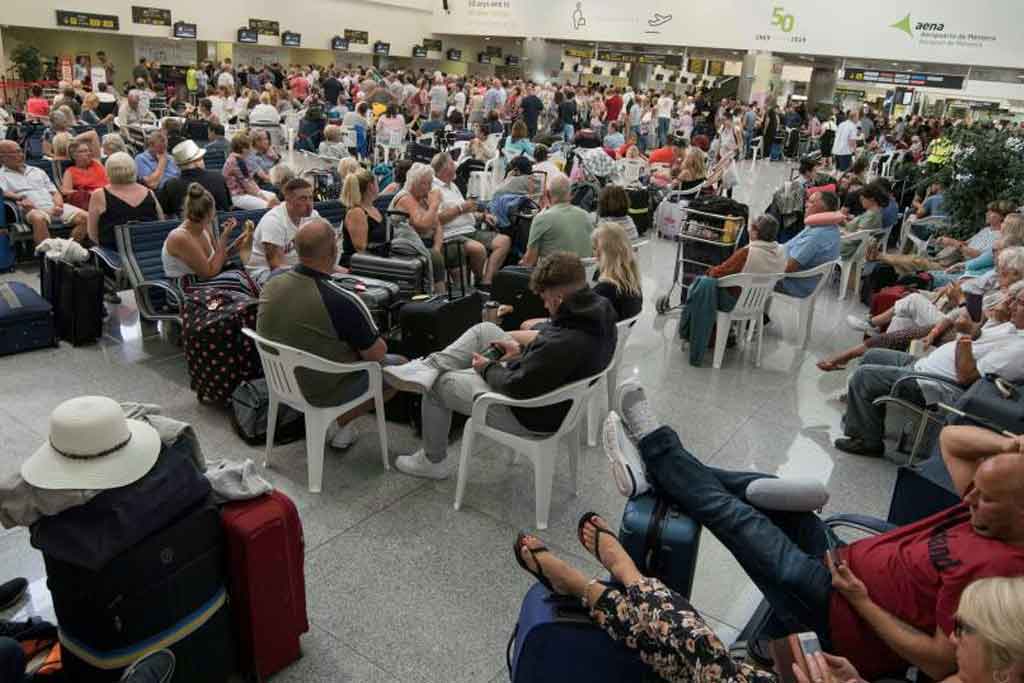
(403, 587)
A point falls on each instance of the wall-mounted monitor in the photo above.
(419, 51)
(183, 29)
(247, 35)
(339, 44)
(454, 55)
(381, 48)
(291, 39)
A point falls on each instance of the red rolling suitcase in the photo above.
(266, 581)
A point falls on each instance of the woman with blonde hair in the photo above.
(347, 166)
(518, 141)
(618, 276)
(365, 225)
(694, 169)
(196, 259)
(333, 145)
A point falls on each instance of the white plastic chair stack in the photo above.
(805, 305)
(540, 450)
(755, 291)
(279, 365)
(851, 267)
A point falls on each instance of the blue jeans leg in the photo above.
(568, 131)
(663, 125)
(780, 552)
(843, 161)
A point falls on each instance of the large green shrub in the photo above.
(987, 164)
(29, 64)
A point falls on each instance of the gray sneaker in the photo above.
(416, 376)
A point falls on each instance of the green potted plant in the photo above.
(28, 63)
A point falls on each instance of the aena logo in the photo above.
(908, 27)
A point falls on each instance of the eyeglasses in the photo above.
(962, 628)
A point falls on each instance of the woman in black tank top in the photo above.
(123, 201)
(365, 226)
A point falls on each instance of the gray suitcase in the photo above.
(380, 296)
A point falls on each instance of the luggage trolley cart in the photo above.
(705, 240)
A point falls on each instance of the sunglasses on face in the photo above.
(961, 628)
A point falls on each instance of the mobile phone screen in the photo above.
(809, 643)
(833, 551)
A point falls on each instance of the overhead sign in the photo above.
(247, 35)
(432, 44)
(696, 65)
(183, 29)
(107, 22)
(580, 52)
(291, 39)
(639, 58)
(419, 51)
(512, 60)
(154, 16)
(381, 48)
(357, 37)
(935, 31)
(847, 92)
(265, 27)
(716, 67)
(339, 44)
(454, 55)
(912, 79)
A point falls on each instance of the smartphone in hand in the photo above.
(796, 649)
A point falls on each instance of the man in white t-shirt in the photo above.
(846, 142)
(225, 79)
(273, 241)
(664, 108)
(996, 348)
(438, 98)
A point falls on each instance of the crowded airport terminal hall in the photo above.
(528, 341)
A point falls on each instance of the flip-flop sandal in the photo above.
(538, 573)
(830, 367)
(587, 517)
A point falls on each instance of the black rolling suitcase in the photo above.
(380, 296)
(640, 208)
(431, 325)
(26, 319)
(167, 591)
(421, 153)
(76, 293)
(511, 286)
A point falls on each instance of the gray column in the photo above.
(822, 87)
(542, 60)
(747, 76)
(642, 76)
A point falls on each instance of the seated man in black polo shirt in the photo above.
(189, 158)
(577, 342)
(305, 308)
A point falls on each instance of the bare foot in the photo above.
(608, 551)
(565, 579)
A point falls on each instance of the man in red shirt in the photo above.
(37, 106)
(613, 106)
(669, 154)
(891, 601)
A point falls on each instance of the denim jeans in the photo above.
(874, 377)
(12, 661)
(748, 137)
(568, 131)
(780, 551)
(843, 161)
(641, 140)
(663, 126)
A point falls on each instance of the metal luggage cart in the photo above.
(705, 240)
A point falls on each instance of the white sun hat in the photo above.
(92, 446)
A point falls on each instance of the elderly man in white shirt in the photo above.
(36, 196)
(996, 348)
(457, 213)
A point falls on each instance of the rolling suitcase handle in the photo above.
(652, 542)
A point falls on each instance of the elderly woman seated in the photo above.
(421, 201)
(705, 298)
(613, 207)
(240, 174)
(333, 146)
(83, 177)
(124, 200)
(931, 316)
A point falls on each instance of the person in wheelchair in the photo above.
(886, 602)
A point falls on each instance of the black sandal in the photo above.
(539, 573)
(588, 517)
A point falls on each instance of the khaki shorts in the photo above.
(66, 216)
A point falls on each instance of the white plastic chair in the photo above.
(755, 149)
(601, 402)
(805, 305)
(920, 245)
(755, 291)
(630, 171)
(393, 145)
(852, 266)
(541, 450)
(279, 365)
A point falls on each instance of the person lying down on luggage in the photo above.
(679, 645)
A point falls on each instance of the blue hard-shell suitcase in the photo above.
(662, 541)
(26, 319)
(555, 642)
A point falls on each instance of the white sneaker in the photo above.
(417, 465)
(860, 323)
(627, 465)
(341, 437)
(417, 376)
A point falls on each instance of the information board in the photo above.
(183, 29)
(107, 22)
(381, 48)
(716, 67)
(905, 78)
(154, 16)
(454, 55)
(419, 51)
(696, 66)
(291, 39)
(265, 27)
(357, 37)
(432, 44)
(339, 44)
